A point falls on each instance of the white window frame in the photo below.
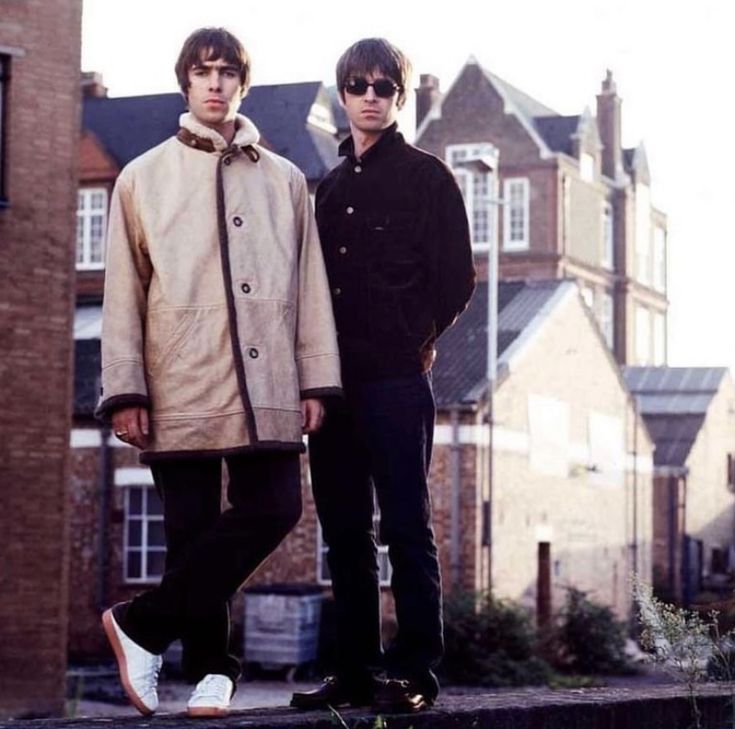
(659, 338)
(643, 346)
(91, 221)
(643, 234)
(607, 318)
(659, 259)
(385, 569)
(586, 166)
(144, 548)
(477, 188)
(513, 205)
(608, 237)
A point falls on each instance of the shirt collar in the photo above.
(387, 138)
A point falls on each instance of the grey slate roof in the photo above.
(128, 126)
(461, 364)
(674, 403)
(557, 131)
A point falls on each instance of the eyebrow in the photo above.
(210, 64)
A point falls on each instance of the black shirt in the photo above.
(397, 248)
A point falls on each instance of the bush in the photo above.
(489, 642)
(589, 639)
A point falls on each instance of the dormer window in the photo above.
(587, 167)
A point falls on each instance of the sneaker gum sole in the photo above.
(206, 711)
(109, 626)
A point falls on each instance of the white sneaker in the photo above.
(211, 696)
(138, 668)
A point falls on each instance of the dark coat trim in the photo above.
(224, 248)
(264, 445)
(187, 137)
(319, 392)
(106, 408)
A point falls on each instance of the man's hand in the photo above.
(312, 415)
(131, 425)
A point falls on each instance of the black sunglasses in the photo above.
(384, 88)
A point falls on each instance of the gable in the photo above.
(94, 163)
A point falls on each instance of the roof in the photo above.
(674, 403)
(460, 371)
(527, 105)
(557, 131)
(128, 126)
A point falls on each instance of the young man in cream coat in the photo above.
(218, 343)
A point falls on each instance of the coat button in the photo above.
(336, 290)
(237, 220)
(253, 353)
(343, 250)
(228, 161)
(358, 169)
(350, 210)
(245, 288)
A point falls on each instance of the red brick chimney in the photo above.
(92, 86)
(609, 123)
(426, 94)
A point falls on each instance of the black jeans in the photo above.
(381, 436)
(211, 552)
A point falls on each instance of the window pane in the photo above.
(156, 563)
(133, 564)
(156, 537)
(135, 533)
(155, 505)
(135, 500)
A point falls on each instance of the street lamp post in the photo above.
(487, 164)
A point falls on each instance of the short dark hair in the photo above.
(217, 43)
(370, 54)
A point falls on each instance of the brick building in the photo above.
(39, 132)
(575, 203)
(568, 501)
(690, 413)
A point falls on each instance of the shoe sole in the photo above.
(109, 623)
(203, 712)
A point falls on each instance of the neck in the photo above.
(227, 130)
(362, 141)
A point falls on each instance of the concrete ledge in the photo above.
(660, 707)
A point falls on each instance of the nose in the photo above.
(370, 94)
(214, 80)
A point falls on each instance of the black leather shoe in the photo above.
(333, 692)
(396, 696)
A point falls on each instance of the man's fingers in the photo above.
(144, 423)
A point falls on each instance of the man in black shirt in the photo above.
(396, 244)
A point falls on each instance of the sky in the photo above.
(673, 62)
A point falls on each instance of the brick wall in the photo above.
(588, 523)
(36, 298)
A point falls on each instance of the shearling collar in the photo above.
(246, 133)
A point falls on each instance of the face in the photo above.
(369, 113)
(214, 93)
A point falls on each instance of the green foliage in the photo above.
(489, 642)
(589, 639)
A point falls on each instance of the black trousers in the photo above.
(210, 552)
(381, 437)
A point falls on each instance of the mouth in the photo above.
(214, 102)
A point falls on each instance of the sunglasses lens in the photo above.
(384, 88)
(357, 86)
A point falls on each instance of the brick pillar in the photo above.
(40, 42)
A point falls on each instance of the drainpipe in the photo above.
(673, 488)
(104, 482)
(455, 469)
